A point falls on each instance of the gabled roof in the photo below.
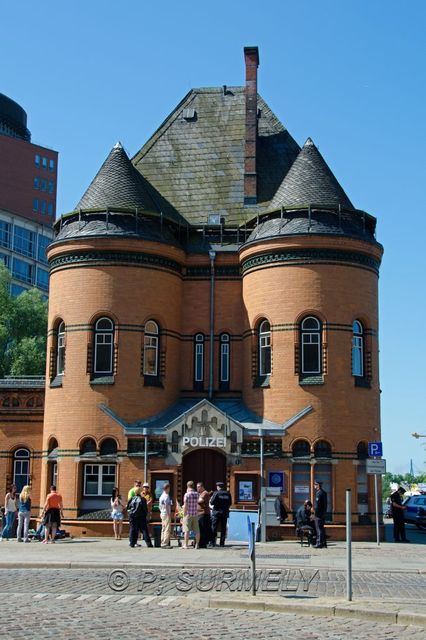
(117, 184)
(310, 181)
(196, 157)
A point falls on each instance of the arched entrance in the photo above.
(206, 465)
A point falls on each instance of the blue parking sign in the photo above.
(375, 449)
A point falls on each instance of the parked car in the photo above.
(415, 504)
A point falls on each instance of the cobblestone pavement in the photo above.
(174, 581)
(90, 617)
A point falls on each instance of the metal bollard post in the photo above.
(349, 544)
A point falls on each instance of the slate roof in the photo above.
(310, 181)
(197, 162)
(97, 225)
(118, 185)
(296, 222)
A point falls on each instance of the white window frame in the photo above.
(265, 343)
(150, 343)
(99, 473)
(199, 358)
(311, 336)
(60, 349)
(104, 337)
(357, 349)
(19, 460)
(225, 357)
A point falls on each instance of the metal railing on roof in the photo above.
(23, 381)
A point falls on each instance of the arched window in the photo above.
(52, 464)
(150, 349)
(362, 451)
(264, 348)
(322, 449)
(224, 368)
(175, 442)
(21, 468)
(301, 449)
(88, 447)
(104, 344)
(60, 349)
(108, 447)
(357, 349)
(310, 331)
(199, 358)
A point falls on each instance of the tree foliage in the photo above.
(23, 329)
(405, 479)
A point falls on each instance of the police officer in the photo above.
(398, 509)
(220, 503)
(320, 509)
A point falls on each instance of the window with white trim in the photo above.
(60, 350)
(310, 331)
(104, 346)
(151, 343)
(224, 368)
(264, 348)
(357, 349)
(99, 479)
(199, 358)
(21, 468)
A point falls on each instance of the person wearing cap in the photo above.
(320, 509)
(220, 503)
(148, 497)
(397, 509)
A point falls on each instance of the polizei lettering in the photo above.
(204, 441)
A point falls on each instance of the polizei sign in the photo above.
(204, 441)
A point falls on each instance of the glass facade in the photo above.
(22, 270)
(23, 241)
(42, 279)
(4, 234)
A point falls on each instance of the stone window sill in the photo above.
(102, 380)
(311, 379)
(56, 382)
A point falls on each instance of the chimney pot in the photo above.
(251, 58)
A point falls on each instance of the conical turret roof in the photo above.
(310, 181)
(118, 185)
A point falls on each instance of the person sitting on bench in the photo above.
(304, 521)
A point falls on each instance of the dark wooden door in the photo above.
(205, 465)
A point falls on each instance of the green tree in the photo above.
(23, 329)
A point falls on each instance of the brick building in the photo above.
(215, 295)
(28, 182)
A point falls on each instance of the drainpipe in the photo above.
(212, 255)
(145, 461)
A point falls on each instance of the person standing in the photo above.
(10, 509)
(398, 515)
(190, 515)
(165, 504)
(146, 493)
(132, 491)
(117, 514)
(137, 510)
(280, 507)
(320, 510)
(24, 513)
(52, 512)
(204, 521)
(220, 503)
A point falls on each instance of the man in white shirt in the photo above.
(165, 504)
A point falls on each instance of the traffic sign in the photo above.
(376, 467)
(375, 449)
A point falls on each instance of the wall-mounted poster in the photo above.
(158, 487)
(245, 490)
(276, 479)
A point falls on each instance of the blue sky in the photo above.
(349, 74)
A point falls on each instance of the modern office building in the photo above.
(28, 182)
(213, 315)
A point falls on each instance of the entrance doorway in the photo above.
(206, 465)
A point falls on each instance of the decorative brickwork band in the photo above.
(312, 256)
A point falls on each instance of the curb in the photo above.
(402, 617)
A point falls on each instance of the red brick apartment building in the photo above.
(217, 290)
(28, 184)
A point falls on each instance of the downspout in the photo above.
(212, 255)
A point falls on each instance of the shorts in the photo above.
(117, 515)
(190, 523)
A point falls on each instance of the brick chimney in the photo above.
(251, 59)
